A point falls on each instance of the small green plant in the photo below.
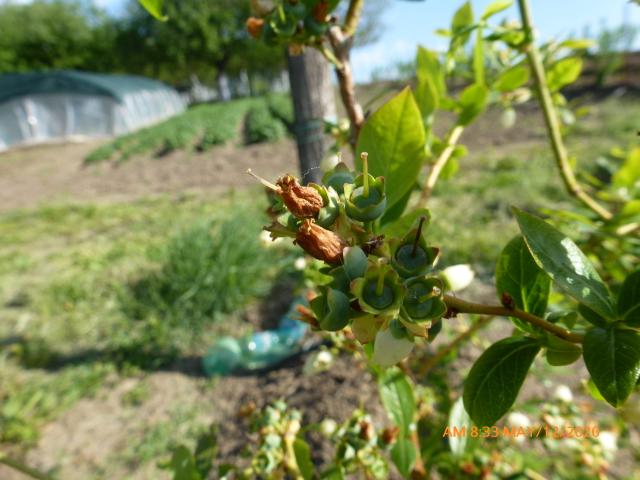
(262, 126)
(209, 269)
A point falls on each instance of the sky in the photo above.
(410, 23)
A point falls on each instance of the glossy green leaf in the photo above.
(560, 352)
(563, 261)
(403, 455)
(394, 138)
(495, 379)
(629, 300)
(154, 7)
(431, 86)
(563, 72)
(396, 393)
(496, 6)
(518, 275)
(303, 458)
(395, 212)
(628, 175)
(473, 101)
(512, 78)
(612, 357)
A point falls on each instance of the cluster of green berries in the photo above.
(290, 22)
(383, 289)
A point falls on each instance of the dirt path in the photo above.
(55, 173)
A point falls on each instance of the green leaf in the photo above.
(629, 300)
(395, 212)
(612, 357)
(628, 175)
(431, 86)
(560, 352)
(563, 72)
(394, 138)
(495, 379)
(183, 465)
(478, 58)
(400, 227)
(578, 43)
(403, 455)
(334, 472)
(473, 101)
(303, 458)
(496, 6)
(396, 393)
(450, 169)
(154, 7)
(461, 25)
(518, 275)
(563, 261)
(512, 78)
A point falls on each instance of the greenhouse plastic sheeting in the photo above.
(60, 106)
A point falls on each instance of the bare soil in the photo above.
(46, 174)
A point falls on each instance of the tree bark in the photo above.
(312, 93)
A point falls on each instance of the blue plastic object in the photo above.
(257, 350)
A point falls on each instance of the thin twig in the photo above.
(341, 46)
(431, 362)
(551, 118)
(451, 141)
(462, 306)
(352, 18)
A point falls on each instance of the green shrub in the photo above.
(210, 269)
(281, 107)
(262, 126)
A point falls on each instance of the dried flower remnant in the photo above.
(255, 26)
(302, 202)
(320, 243)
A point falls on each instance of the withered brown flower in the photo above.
(302, 202)
(320, 243)
(254, 26)
(320, 11)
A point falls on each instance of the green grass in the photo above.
(201, 128)
(85, 290)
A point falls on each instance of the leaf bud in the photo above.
(320, 243)
(457, 277)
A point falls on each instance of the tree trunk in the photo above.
(310, 80)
